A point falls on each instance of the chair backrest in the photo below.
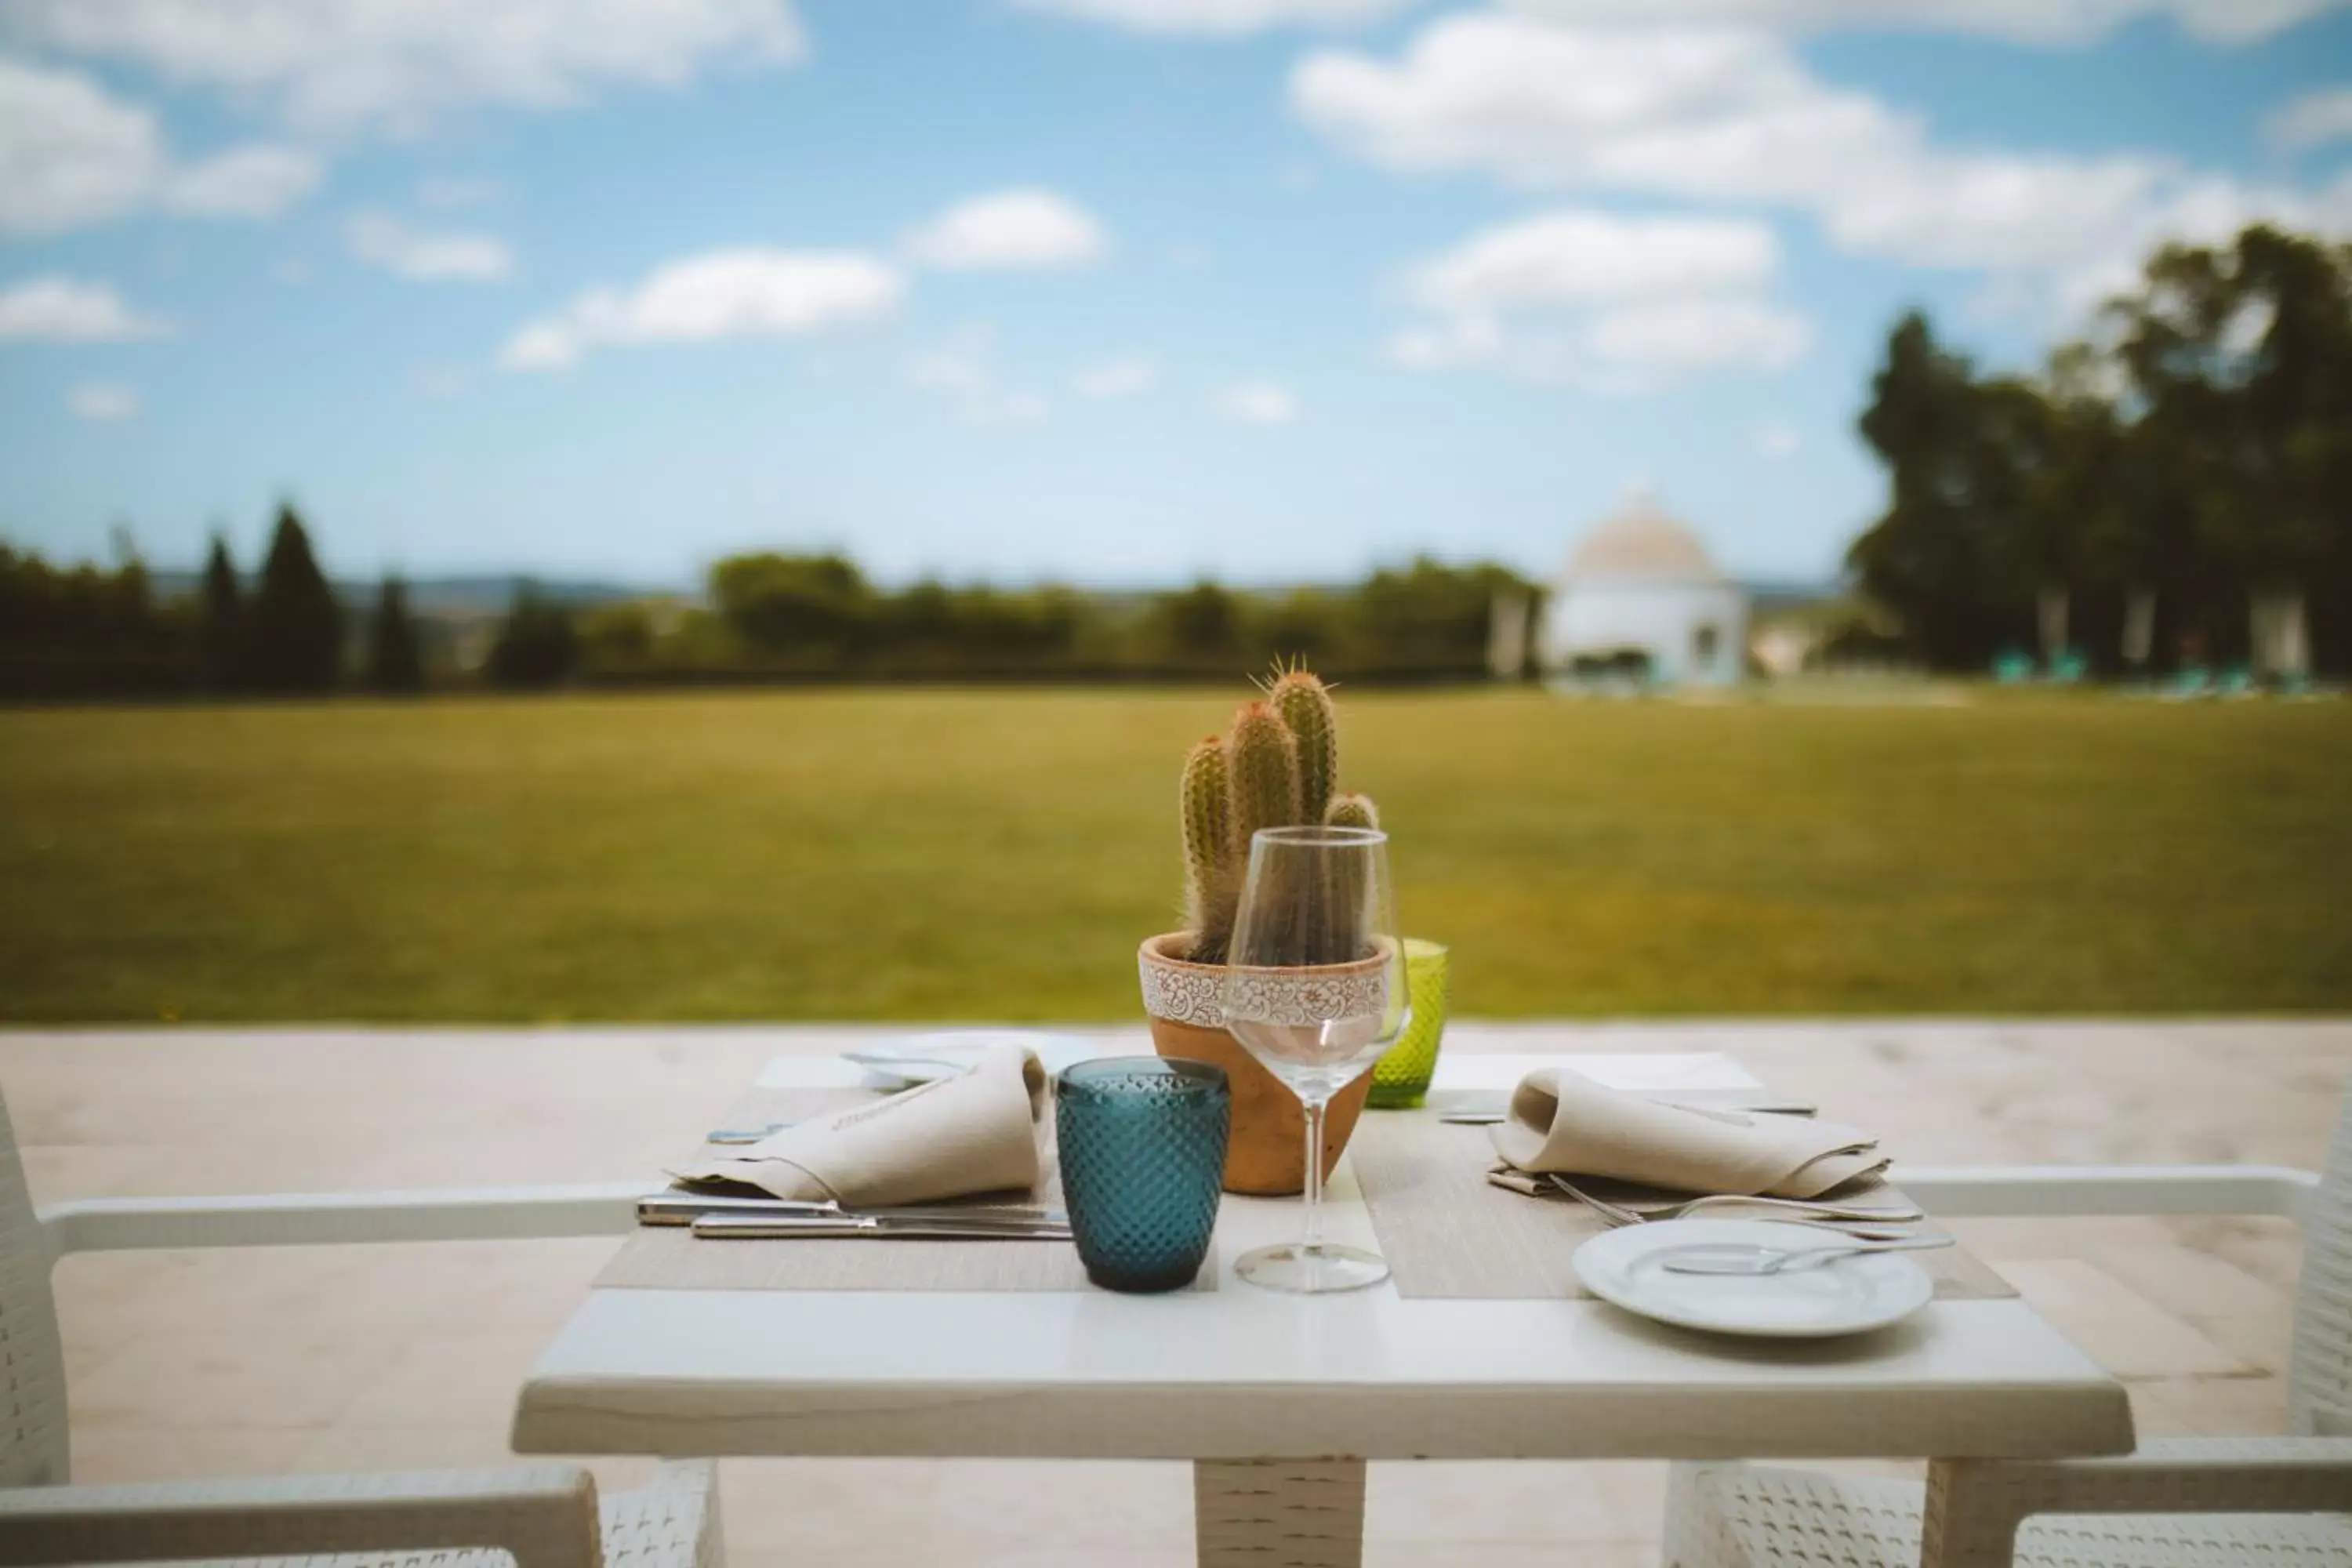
(2320, 1379)
(33, 1446)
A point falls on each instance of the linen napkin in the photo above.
(1561, 1120)
(975, 1132)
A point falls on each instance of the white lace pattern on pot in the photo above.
(1184, 993)
(1195, 993)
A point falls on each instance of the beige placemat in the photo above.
(668, 1257)
(1448, 1232)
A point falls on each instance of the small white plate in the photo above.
(1844, 1295)
(909, 1059)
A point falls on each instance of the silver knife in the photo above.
(967, 1228)
(684, 1208)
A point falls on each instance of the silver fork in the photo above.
(1864, 1222)
(1489, 1115)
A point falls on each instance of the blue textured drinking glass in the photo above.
(1143, 1158)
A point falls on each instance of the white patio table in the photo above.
(1280, 1400)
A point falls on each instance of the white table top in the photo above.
(1242, 1373)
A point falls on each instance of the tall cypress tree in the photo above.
(296, 629)
(394, 663)
(220, 637)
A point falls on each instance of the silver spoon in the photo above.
(1734, 1257)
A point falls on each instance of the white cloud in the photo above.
(1257, 402)
(1584, 257)
(2017, 21)
(101, 400)
(72, 154)
(1128, 376)
(2312, 119)
(964, 370)
(397, 65)
(257, 181)
(1219, 18)
(1672, 337)
(384, 241)
(59, 310)
(1026, 228)
(2204, 210)
(2043, 22)
(1775, 438)
(745, 292)
(1613, 303)
(1731, 114)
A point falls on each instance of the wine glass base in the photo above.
(1311, 1271)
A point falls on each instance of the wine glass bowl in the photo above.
(1315, 989)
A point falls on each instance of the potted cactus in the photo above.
(1276, 766)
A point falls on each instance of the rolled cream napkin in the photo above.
(975, 1132)
(1561, 1120)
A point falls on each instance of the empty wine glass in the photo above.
(1315, 989)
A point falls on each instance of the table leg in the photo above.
(1278, 1513)
(1968, 1523)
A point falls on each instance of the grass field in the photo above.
(997, 855)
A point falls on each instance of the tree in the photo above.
(1429, 618)
(86, 630)
(2194, 466)
(1199, 627)
(395, 662)
(1946, 555)
(294, 636)
(220, 631)
(537, 644)
(2239, 362)
(813, 608)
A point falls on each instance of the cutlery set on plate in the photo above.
(1859, 1222)
(1867, 1229)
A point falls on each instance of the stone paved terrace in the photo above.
(340, 1358)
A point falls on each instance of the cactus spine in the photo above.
(1306, 706)
(1275, 768)
(1211, 887)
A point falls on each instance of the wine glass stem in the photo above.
(1314, 1240)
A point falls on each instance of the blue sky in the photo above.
(1110, 290)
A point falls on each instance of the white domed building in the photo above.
(1641, 602)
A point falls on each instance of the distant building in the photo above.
(1641, 601)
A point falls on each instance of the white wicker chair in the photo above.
(2235, 1503)
(544, 1516)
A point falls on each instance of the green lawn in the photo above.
(997, 855)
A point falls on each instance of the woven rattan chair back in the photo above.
(2320, 1376)
(33, 1446)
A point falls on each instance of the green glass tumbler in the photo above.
(1400, 1078)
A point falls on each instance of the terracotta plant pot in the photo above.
(1266, 1154)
